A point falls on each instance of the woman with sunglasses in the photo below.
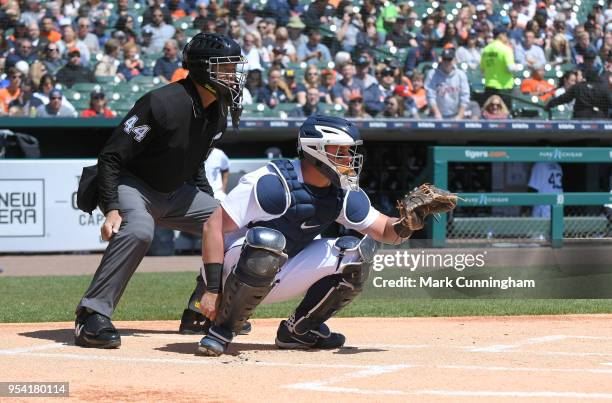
(495, 108)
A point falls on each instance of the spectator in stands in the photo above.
(47, 84)
(70, 41)
(54, 108)
(107, 66)
(318, 14)
(33, 12)
(100, 31)
(74, 72)
(423, 53)
(428, 32)
(23, 52)
(537, 85)
(497, 65)
(132, 65)
(515, 31)
(97, 106)
(47, 30)
(558, 50)
(583, 44)
(448, 89)
(528, 53)
(328, 82)
(275, 91)
(12, 92)
(312, 79)
(254, 83)
(592, 98)
(26, 99)
(418, 93)
(249, 51)
(349, 25)
(399, 36)
(568, 80)
(591, 64)
(249, 20)
(313, 51)
(368, 37)
(266, 28)
(469, 53)
(282, 50)
(52, 59)
(356, 108)
(161, 31)
(450, 37)
(168, 63)
(122, 12)
(349, 86)
(495, 108)
(126, 24)
(85, 36)
(295, 27)
(394, 107)
(312, 106)
(38, 43)
(146, 49)
(362, 64)
(374, 96)
(280, 10)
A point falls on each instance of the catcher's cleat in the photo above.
(215, 342)
(321, 338)
(196, 323)
(92, 329)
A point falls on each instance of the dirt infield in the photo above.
(546, 358)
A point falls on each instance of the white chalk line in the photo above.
(521, 369)
(20, 350)
(499, 348)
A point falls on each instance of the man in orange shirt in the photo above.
(537, 85)
(47, 30)
(13, 90)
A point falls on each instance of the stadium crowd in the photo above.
(466, 59)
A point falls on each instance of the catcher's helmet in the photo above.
(215, 62)
(342, 166)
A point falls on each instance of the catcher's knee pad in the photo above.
(332, 293)
(252, 279)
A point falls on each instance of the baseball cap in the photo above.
(21, 23)
(97, 94)
(505, 20)
(355, 97)
(448, 54)
(590, 54)
(327, 72)
(74, 51)
(290, 73)
(147, 31)
(55, 93)
(402, 91)
(566, 6)
(480, 8)
(499, 30)
(387, 71)
(362, 61)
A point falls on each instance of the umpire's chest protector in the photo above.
(311, 210)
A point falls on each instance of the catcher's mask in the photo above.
(215, 62)
(330, 144)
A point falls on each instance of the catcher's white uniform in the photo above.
(318, 259)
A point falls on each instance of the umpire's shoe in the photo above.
(196, 323)
(321, 338)
(92, 329)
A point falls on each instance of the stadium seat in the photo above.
(86, 87)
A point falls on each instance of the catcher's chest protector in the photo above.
(310, 212)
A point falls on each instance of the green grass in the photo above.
(162, 296)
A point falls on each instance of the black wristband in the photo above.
(213, 272)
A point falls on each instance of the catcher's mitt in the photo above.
(417, 204)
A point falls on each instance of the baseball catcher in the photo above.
(259, 245)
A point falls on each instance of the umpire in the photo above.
(151, 171)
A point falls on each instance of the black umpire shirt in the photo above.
(164, 140)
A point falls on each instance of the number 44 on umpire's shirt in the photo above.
(139, 131)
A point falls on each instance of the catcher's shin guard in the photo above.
(332, 293)
(246, 286)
